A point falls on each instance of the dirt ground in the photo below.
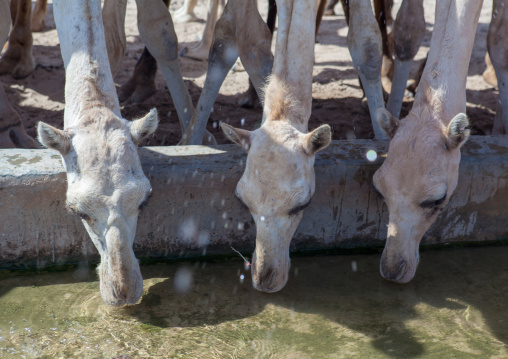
(336, 91)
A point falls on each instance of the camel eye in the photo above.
(432, 203)
(145, 202)
(299, 208)
(81, 215)
(84, 216)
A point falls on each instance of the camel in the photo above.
(105, 181)
(279, 181)
(420, 172)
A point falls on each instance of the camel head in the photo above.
(106, 188)
(277, 186)
(416, 181)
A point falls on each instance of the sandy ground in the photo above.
(336, 91)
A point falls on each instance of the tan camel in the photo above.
(279, 180)
(12, 131)
(105, 181)
(420, 172)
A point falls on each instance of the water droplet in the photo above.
(242, 122)
(185, 110)
(214, 124)
(224, 215)
(262, 218)
(183, 280)
(240, 226)
(354, 266)
(371, 155)
(242, 277)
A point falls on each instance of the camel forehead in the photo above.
(416, 162)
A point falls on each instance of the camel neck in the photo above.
(444, 78)
(83, 47)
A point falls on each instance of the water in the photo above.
(457, 306)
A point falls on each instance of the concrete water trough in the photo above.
(194, 211)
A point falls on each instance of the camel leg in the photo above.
(329, 9)
(113, 17)
(38, 14)
(250, 97)
(12, 131)
(185, 13)
(489, 75)
(201, 50)
(157, 31)
(18, 59)
(233, 37)
(365, 45)
(497, 44)
(383, 14)
(319, 16)
(141, 85)
(409, 30)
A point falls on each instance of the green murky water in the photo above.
(457, 307)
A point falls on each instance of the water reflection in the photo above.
(332, 306)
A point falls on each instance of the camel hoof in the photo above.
(16, 137)
(20, 72)
(199, 52)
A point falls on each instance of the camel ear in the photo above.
(457, 131)
(144, 126)
(237, 135)
(388, 123)
(318, 139)
(53, 138)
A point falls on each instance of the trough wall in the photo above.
(193, 210)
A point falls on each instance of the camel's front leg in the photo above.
(365, 46)
(157, 31)
(223, 55)
(201, 50)
(409, 30)
(497, 44)
(12, 132)
(18, 59)
(38, 15)
(113, 18)
(239, 32)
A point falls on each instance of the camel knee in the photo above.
(409, 29)
(365, 41)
